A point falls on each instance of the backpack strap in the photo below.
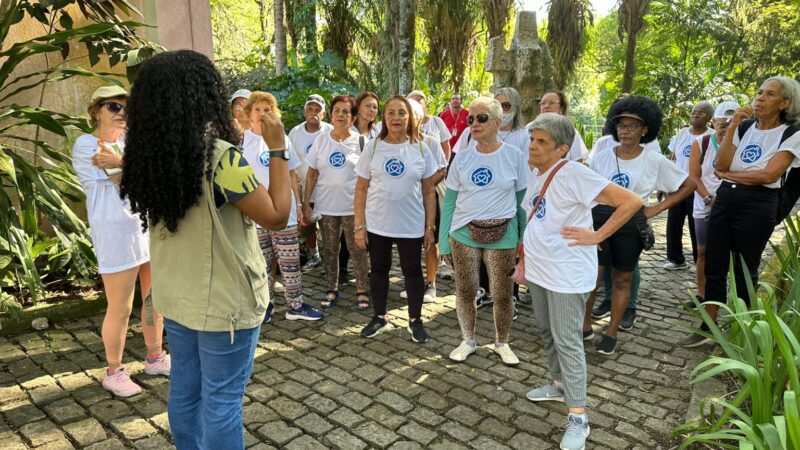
(704, 143)
(744, 126)
(789, 132)
(361, 143)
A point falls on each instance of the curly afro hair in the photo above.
(643, 107)
(177, 108)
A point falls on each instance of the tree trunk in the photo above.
(280, 38)
(630, 64)
(262, 18)
(310, 27)
(407, 44)
(389, 47)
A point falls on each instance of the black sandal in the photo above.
(361, 303)
(328, 302)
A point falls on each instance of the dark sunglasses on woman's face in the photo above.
(481, 118)
(114, 107)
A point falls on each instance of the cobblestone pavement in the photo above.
(323, 386)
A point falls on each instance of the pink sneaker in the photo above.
(160, 366)
(120, 384)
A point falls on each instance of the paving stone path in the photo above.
(323, 386)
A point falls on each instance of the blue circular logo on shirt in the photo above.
(337, 159)
(541, 210)
(263, 158)
(751, 154)
(623, 179)
(482, 176)
(687, 151)
(308, 147)
(394, 167)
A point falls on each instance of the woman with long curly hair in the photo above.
(200, 199)
(634, 121)
(119, 242)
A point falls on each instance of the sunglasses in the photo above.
(481, 118)
(506, 106)
(114, 107)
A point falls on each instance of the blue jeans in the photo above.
(207, 381)
(637, 278)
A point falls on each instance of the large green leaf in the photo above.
(7, 165)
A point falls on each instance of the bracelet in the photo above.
(359, 228)
(430, 228)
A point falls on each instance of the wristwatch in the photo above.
(280, 153)
(708, 199)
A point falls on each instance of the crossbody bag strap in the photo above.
(544, 188)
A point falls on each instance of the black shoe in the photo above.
(268, 315)
(481, 299)
(604, 310)
(607, 345)
(417, 331)
(588, 335)
(375, 326)
(344, 277)
(628, 319)
(690, 304)
(526, 299)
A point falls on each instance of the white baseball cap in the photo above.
(241, 93)
(315, 98)
(417, 93)
(726, 110)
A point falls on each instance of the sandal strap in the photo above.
(362, 294)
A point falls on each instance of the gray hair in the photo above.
(791, 92)
(516, 104)
(706, 106)
(558, 126)
(495, 111)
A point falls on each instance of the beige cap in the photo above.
(108, 92)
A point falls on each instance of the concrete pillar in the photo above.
(182, 24)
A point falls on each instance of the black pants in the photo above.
(741, 223)
(675, 219)
(380, 260)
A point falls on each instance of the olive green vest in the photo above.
(210, 275)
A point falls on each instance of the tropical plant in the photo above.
(451, 29)
(761, 350)
(567, 21)
(631, 22)
(37, 177)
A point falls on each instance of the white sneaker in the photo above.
(461, 352)
(505, 353)
(669, 265)
(278, 287)
(444, 271)
(430, 294)
(403, 294)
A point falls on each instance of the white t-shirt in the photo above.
(435, 146)
(302, 140)
(373, 132)
(681, 146)
(435, 127)
(336, 184)
(487, 184)
(707, 177)
(549, 261)
(607, 142)
(256, 153)
(116, 232)
(648, 172)
(394, 198)
(757, 148)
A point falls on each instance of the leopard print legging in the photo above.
(466, 262)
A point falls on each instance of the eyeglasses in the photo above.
(481, 118)
(628, 127)
(506, 106)
(549, 103)
(114, 107)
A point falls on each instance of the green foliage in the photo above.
(322, 74)
(37, 179)
(761, 350)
